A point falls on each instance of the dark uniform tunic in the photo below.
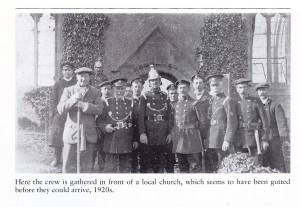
(186, 139)
(57, 121)
(279, 132)
(251, 117)
(201, 107)
(136, 135)
(155, 120)
(223, 125)
(118, 145)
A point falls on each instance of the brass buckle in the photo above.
(159, 118)
(120, 125)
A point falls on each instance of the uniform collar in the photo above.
(136, 97)
(155, 90)
(266, 101)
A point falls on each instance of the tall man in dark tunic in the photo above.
(253, 129)
(186, 140)
(279, 131)
(223, 121)
(85, 98)
(117, 123)
(136, 87)
(155, 125)
(57, 121)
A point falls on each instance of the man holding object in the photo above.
(87, 99)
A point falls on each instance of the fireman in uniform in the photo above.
(223, 122)
(253, 129)
(279, 131)
(117, 124)
(186, 140)
(155, 125)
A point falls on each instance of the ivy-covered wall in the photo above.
(83, 38)
(224, 45)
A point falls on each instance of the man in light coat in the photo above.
(87, 99)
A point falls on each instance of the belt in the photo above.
(187, 126)
(251, 126)
(216, 122)
(156, 118)
(122, 125)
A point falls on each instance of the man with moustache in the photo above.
(85, 97)
(57, 121)
(223, 122)
(117, 123)
(279, 131)
(155, 125)
(253, 129)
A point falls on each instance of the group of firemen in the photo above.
(123, 130)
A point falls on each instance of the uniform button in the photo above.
(184, 104)
(117, 117)
(116, 107)
(117, 103)
(125, 107)
(117, 112)
(154, 114)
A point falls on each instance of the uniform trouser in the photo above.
(135, 161)
(170, 158)
(213, 159)
(189, 163)
(273, 157)
(70, 158)
(152, 157)
(117, 162)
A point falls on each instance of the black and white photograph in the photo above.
(152, 91)
(149, 103)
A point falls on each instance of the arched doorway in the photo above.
(166, 80)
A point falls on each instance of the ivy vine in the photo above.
(83, 38)
(224, 46)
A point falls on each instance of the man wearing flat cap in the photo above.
(223, 123)
(117, 124)
(155, 125)
(85, 97)
(57, 121)
(279, 131)
(253, 130)
(186, 141)
(136, 87)
(105, 88)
